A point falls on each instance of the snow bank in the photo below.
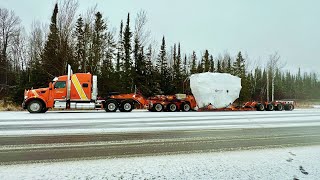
(284, 163)
(316, 106)
(218, 89)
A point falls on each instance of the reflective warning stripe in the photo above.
(35, 93)
(78, 87)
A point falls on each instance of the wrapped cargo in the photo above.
(216, 89)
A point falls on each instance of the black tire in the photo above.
(126, 106)
(185, 107)
(111, 105)
(35, 106)
(279, 107)
(157, 107)
(289, 107)
(172, 107)
(270, 107)
(260, 107)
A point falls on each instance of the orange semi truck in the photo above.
(77, 91)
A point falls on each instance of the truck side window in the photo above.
(85, 85)
(60, 84)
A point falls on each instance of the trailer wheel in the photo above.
(126, 106)
(172, 107)
(279, 107)
(260, 107)
(35, 106)
(157, 107)
(270, 107)
(111, 106)
(185, 107)
(289, 107)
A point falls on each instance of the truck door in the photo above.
(60, 90)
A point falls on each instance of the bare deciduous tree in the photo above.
(273, 65)
(66, 17)
(35, 43)
(141, 33)
(9, 29)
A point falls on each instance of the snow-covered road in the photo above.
(92, 122)
(286, 163)
(65, 135)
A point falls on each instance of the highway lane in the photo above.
(55, 135)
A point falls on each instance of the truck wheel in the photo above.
(260, 107)
(270, 107)
(126, 106)
(185, 107)
(172, 107)
(35, 106)
(157, 107)
(288, 107)
(111, 106)
(279, 107)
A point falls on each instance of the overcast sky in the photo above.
(256, 27)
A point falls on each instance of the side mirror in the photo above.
(50, 86)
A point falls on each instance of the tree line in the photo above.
(126, 59)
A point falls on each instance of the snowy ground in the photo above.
(83, 122)
(285, 163)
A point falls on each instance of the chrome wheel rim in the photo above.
(127, 106)
(186, 107)
(173, 107)
(35, 107)
(158, 107)
(111, 106)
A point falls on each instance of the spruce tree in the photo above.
(127, 65)
(50, 57)
(162, 64)
(206, 61)
(229, 66)
(98, 43)
(212, 69)
(240, 71)
(219, 66)
(80, 43)
(193, 68)
(120, 50)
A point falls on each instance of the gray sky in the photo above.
(256, 27)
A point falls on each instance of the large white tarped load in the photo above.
(217, 89)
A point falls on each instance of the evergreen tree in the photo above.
(50, 58)
(206, 61)
(177, 78)
(151, 86)
(193, 69)
(239, 66)
(229, 66)
(127, 65)
(212, 69)
(239, 70)
(120, 49)
(162, 64)
(98, 43)
(219, 66)
(80, 43)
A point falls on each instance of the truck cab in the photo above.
(72, 91)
